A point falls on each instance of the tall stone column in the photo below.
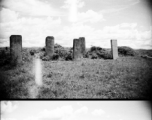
(77, 51)
(49, 46)
(114, 49)
(16, 49)
(83, 46)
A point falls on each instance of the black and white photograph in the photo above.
(75, 49)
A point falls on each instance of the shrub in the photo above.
(57, 46)
(126, 51)
(26, 54)
(106, 54)
(45, 58)
(43, 49)
(55, 56)
(94, 55)
(68, 56)
(98, 53)
(6, 48)
(4, 56)
(94, 48)
(32, 53)
(60, 53)
(4, 53)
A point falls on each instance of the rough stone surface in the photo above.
(83, 47)
(50, 46)
(77, 51)
(16, 48)
(114, 49)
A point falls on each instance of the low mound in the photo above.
(98, 53)
(126, 51)
(60, 53)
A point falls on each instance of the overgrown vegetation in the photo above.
(4, 56)
(98, 53)
(128, 77)
(65, 54)
(126, 51)
(60, 53)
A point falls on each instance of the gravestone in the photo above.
(49, 46)
(16, 49)
(77, 49)
(83, 49)
(114, 49)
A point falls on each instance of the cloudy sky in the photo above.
(128, 21)
(75, 110)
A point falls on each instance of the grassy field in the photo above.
(125, 78)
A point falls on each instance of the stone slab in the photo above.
(16, 48)
(114, 49)
(50, 46)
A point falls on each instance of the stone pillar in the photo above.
(16, 49)
(83, 47)
(77, 51)
(49, 46)
(114, 49)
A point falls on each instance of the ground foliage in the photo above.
(126, 51)
(128, 77)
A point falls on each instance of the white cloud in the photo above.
(73, 6)
(58, 112)
(66, 36)
(82, 110)
(32, 118)
(8, 106)
(8, 15)
(79, 103)
(90, 16)
(120, 5)
(127, 25)
(8, 119)
(98, 112)
(69, 3)
(126, 34)
(31, 7)
(33, 30)
(76, 16)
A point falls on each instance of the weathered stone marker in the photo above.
(16, 49)
(114, 49)
(83, 49)
(49, 46)
(77, 52)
